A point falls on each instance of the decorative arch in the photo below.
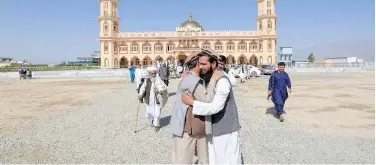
(115, 27)
(269, 45)
(230, 59)
(242, 46)
(170, 46)
(171, 59)
(181, 57)
(158, 58)
(146, 47)
(124, 62)
(135, 48)
(253, 60)
(116, 63)
(270, 24)
(261, 60)
(260, 46)
(206, 45)
(147, 61)
(135, 61)
(242, 59)
(158, 47)
(218, 46)
(115, 48)
(260, 25)
(105, 28)
(253, 45)
(123, 48)
(106, 62)
(105, 47)
(230, 46)
(270, 60)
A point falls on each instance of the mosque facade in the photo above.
(123, 49)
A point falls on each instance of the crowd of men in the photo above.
(24, 73)
(204, 120)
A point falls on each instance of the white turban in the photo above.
(151, 69)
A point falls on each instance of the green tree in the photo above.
(311, 58)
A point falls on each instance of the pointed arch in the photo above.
(135, 61)
(171, 58)
(269, 45)
(146, 47)
(261, 60)
(253, 60)
(206, 45)
(158, 47)
(270, 60)
(260, 46)
(106, 62)
(116, 63)
(123, 62)
(170, 46)
(260, 25)
(115, 48)
(218, 46)
(158, 58)
(115, 27)
(270, 24)
(135, 48)
(242, 59)
(147, 61)
(242, 46)
(105, 28)
(253, 45)
(230, 46)
(231, 59)
(105, 47)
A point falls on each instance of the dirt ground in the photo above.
(341, 103)
(27, 99)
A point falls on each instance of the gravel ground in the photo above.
(102, 132)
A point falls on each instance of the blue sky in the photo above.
(51, 31)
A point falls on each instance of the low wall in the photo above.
(324, 70)
(70, 73)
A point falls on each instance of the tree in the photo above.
(311, 58)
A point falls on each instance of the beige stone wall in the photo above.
(132, 48)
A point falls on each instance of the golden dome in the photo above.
(190, 23)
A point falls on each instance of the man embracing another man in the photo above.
(206, 116)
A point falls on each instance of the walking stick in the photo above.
(138, 110)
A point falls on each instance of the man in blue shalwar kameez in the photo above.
(278, 83)
(131, 73)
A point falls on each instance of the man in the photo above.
(153, 92)
(188, 130)
(132, 73)
(222, 61)
(224, 143)
(164, 73)
(278, 81)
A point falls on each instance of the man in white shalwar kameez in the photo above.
(153, 92)
(223, 147)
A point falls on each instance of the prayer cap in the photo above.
(151, 69)
(193, 56)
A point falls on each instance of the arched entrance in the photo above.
(181, 58)
(135, 61)
(242, 59)
(158, 58)
(230, 59)
(147, 61)
(253, 60)
(123, 62)
(116, 63)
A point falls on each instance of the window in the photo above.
(170, 47)
(123, 48)
(106, 5)
(268, 4)
(206, 45)
(242, 46)
(230, 46)
(158, 47)
(218, 46)
(115, 27)
(261, 60)
(260, 46)
(270, 45)
(260, 25)
(105, 13)
(270, 60)
(269, 11)
(105, 28)
(115, 48)
(134, 48)
(253, 45)
(270, 23)
(146, 47)
(105, 49)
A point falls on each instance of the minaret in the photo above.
(108, 32)
(266, 26)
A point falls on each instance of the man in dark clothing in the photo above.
(278, 83)
(222, 60)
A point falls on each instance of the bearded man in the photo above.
(153, 92)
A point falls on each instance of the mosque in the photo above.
(122, 49)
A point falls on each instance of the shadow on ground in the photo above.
(272, 111)
(165, 121)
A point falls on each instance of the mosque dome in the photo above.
(190, 25)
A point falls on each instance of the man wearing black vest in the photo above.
(224, 143)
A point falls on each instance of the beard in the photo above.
(152, 79)
(207, 75)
